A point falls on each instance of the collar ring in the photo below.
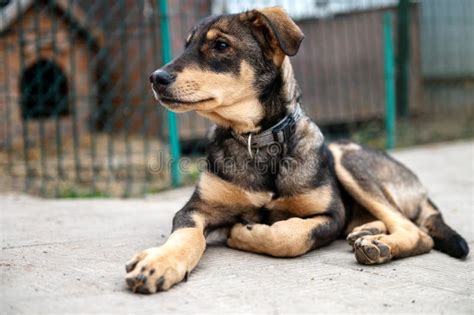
(249, 145)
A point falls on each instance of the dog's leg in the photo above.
(289, 238)
(371, 228)
(388, 191)
(445, 238)
(317, 219)
(404, 240)
(215, 203)
(159, 268)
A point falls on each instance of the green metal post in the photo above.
(172, 119)
(389, 68)
(403, 57)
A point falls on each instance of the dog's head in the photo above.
(229, 65)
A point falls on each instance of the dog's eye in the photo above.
(220, 45)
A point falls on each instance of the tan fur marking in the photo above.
(289, 238)
(289, 81)
(278, 57)
(313, 202)
(225, 89)
(172, 261)
(211, 34)
(226, 99)
(214, 190)
(377, 225)
(242, 117)
(405, 238)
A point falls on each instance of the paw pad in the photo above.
(371, 251)
(151, 272)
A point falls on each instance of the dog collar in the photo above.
(278, 133)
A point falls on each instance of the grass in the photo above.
(74, 192)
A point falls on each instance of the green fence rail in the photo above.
(172, 119)
(78, 119)
(389, 81)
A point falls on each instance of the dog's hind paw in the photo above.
(360, 232)
(369, 251)
(352, 237)
(371, 228)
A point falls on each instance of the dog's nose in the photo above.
(161, 77)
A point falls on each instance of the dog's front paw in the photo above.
(369, 250)
(251, 237)
(154, 270)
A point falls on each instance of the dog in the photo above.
(271, 179)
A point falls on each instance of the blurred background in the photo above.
(77, 117)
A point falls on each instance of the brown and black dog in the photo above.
(270, 177)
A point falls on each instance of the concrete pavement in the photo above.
(67, 256)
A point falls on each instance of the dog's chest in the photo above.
(267, 169)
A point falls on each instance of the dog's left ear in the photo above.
(275, 27)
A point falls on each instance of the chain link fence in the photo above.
(77, 118)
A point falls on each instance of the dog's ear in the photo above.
(273, 26)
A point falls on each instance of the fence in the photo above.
(77, 117)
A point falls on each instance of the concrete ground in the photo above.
(67, 256)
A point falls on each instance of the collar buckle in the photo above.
(283, 132)
(279, 133)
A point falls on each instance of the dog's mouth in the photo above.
(170, 100)
(173, 102)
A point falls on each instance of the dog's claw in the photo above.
(130, 266)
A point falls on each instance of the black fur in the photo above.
(445, 238)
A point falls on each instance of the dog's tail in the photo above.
(445, 238)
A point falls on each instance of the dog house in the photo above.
(47, 50)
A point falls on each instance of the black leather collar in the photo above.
(278, 133)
